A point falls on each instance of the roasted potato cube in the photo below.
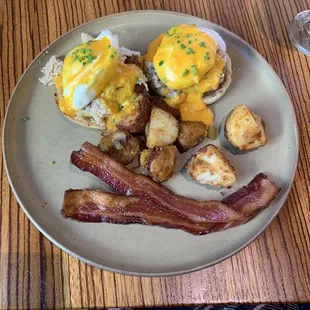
(136, 123)
(190, 134)
(121, 146)
(161, 162)
(245, 130)
(209, 166)
(163, 129)
(144, 156)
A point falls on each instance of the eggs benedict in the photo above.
(97, 85)
(189, 67)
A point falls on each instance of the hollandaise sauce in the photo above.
(119, 95)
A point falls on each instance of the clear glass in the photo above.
(299, 32)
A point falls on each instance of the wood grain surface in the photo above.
(275, 268)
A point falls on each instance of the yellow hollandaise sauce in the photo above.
(187, 59)
(119, 95)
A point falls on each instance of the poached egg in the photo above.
(189, 60)
(96, 70)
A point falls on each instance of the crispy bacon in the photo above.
(90, 158)
(98, 206)
(250, 199)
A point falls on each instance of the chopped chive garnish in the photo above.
(84, 63)
(190, 51)
(164, 80)
(183, 46)
(185, 73)
(189, 42)
(52, 163)
(109, 46)
(206, 56)
(134, 99)
(194, 69)
(25, 118)
(120, 108)
(178, 41)
(187, 35)
(160, 63)
(112, 56)
(202, 44)
(195, 40)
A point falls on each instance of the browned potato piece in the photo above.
(209, 166)
(190, 134)
(121, 146)
(144, 156)
(136, 123)
(162, 130)
(245, 130)
(161, 162)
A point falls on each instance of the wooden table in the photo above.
(274, 268)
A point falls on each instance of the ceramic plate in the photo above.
(30, 146)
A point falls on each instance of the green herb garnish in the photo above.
(190, 51)
(206, 56)
(202, 44)
(161, 63)
(187, 35)
(52, 163)
(90, 58)
(134, 99)
(194, 69)
(112, 56)
(183, 46)
(189, 42)
(164, 80)
(185, 73)
(25, 118)
(120, 108)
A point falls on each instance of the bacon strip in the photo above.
(98, 206)
(250, 199)
(90, 158)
